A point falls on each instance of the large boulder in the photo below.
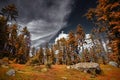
(86, 67)
(112, 63)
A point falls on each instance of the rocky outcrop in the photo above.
(86, 67)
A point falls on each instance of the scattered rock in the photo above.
(44, 70)
(19, 71)
(36, 66)
(68, 67)
(112, 63)
(11, 72)
(92, 76)
(2, 62)
(4, 66)
(64, 78)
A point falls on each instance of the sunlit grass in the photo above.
(57, 72)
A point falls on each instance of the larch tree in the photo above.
(33, 51)
(41, 55)
(71, 46)
(15, 43)
(71, 41)
(10, 11)
(21, 49)
(27, 37)
(22, 45)
(107, 13)
(12, 40)
(63, 42)
(97, 40)
(47, 53)
(13, 34)
(52, 55)
(4, 34)
(80, 37)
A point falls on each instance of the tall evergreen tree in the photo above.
(107, 13)
(52, 55)
(80, 39)
(27, 37)
(10, 11)
(3, 32)
(41, 56)
(47, 53)
(71, 45)
(80, 36)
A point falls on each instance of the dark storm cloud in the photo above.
(44, 18)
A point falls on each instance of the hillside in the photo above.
(57, 72)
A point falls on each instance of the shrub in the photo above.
(33, 61)
(48, 65)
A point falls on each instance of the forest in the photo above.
(15, 44)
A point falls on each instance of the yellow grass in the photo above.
(57, 72)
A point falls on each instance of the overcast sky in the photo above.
(46, 18)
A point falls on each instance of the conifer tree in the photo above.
(80, 36)
(52, 55)
(107, 13)
(33, 51)
(27, 43)
(10, 11)
(71, 46)
(4, 34)
(41, 56)
(47, 53)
